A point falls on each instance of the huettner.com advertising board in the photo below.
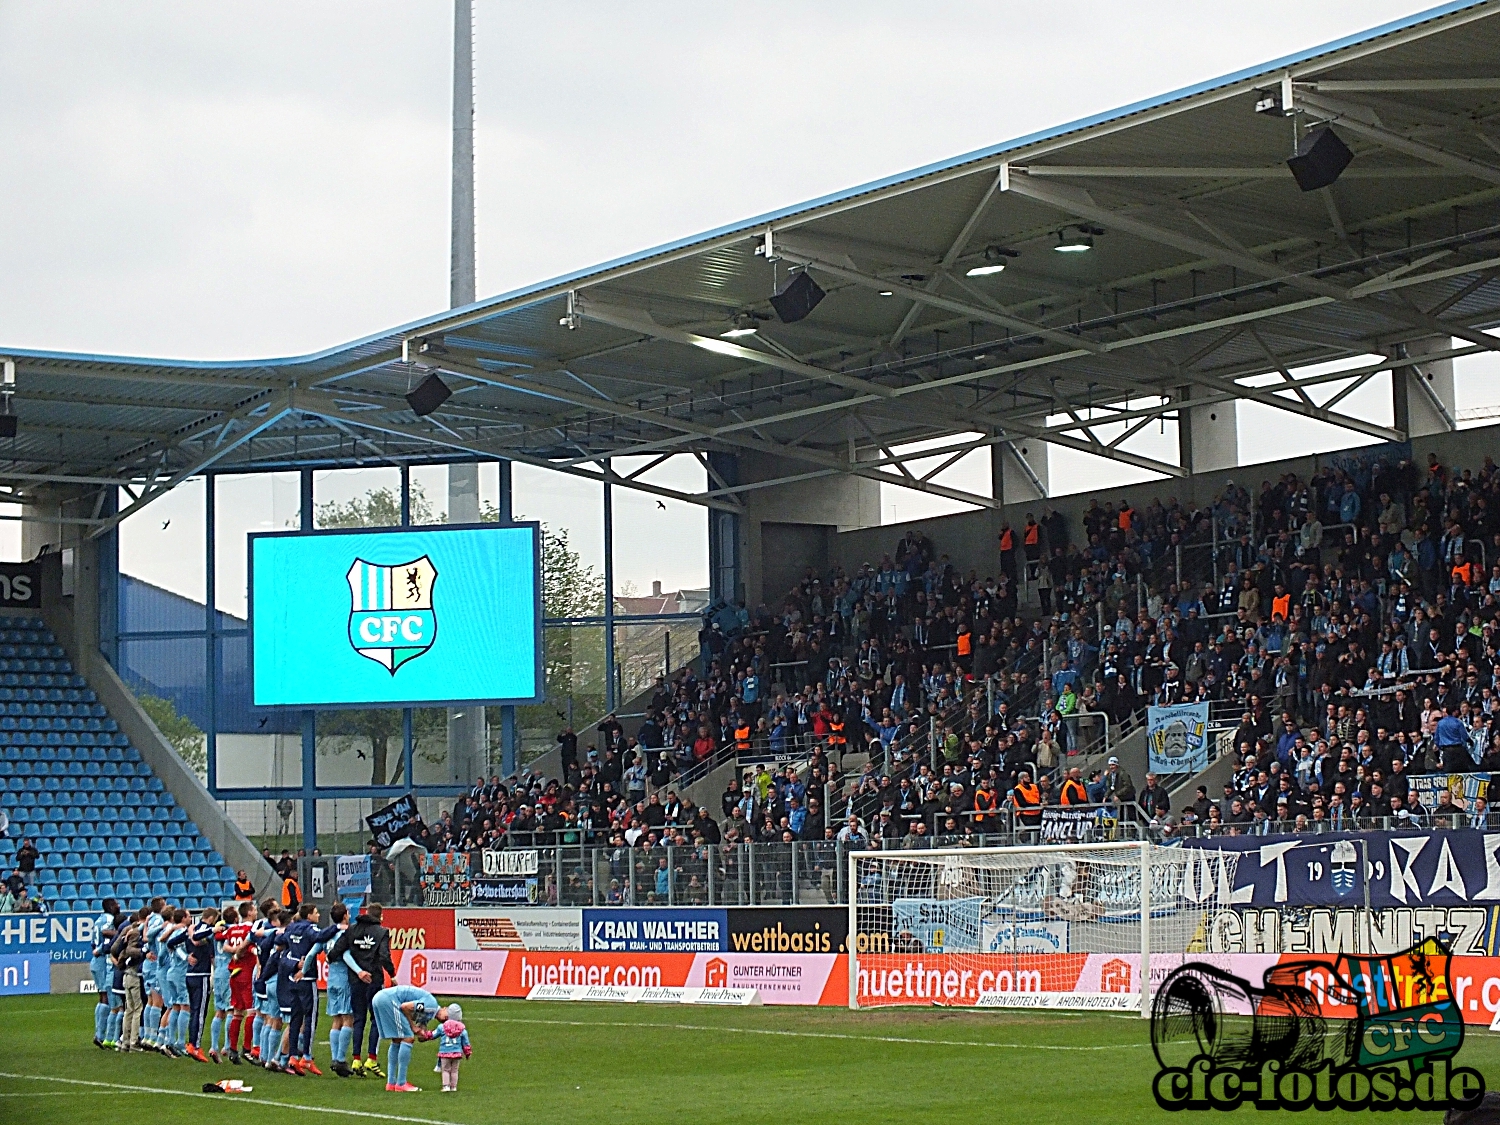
(797, 955)
(396, 617)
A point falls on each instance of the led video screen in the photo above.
(396, 617)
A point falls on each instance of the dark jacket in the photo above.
(370, 943)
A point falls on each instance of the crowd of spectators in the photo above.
(1343, 625)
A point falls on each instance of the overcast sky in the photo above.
(231, 180)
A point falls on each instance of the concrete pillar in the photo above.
(806, 512)
(467, 737)
(1207, 436)
(1422, 397)
(53, 503)
(1019, 471)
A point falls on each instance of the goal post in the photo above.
(1047, 926)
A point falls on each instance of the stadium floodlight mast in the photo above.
(1000, 919)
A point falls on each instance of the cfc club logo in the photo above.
(716, 974)
(391, 619)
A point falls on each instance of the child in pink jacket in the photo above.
(453, 1046)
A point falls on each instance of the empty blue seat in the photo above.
(177, 890)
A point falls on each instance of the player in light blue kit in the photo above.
(150, 977)
(101, 969)
(399, 1011)
(172, 977)
(223, 1005)
(340, 998)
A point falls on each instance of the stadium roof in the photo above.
(1208, 267)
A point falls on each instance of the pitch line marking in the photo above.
(228, 1099)
(817, 1034)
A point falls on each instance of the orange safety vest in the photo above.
(243, 890)
(291, 893)
(984, 802)
(742, 738)
(1463, 573)
(1028, 803)
(1126, 515)
(965, 644)
(836, 734)
(1282, 606)
(1007, 540)
(1073, 793)
(1033, 533)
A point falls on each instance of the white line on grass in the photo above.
(49, 1094)
(230, 1099)
(817, 1034)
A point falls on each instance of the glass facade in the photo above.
(295, 778)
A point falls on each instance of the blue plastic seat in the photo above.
(178, 890)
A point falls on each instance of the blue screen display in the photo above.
(394, 618)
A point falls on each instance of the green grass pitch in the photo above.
(620, 1064)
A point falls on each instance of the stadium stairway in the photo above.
(104, 823)
(86, 774)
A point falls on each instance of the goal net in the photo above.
(1054, 926)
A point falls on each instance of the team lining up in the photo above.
(156, 971)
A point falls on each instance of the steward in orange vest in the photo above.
(1073, 792)
(986, 802)
(1027, 801)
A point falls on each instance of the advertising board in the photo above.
(419, 928)
(25, 974)
(780, 979)
(539, 928)
(64, 936)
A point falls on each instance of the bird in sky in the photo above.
(165, 524)
(660, 505)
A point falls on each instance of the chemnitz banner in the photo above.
(1177, 738)
(1440, 868)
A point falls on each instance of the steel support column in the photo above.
(510, 746)
(309, 718)
(610, 702)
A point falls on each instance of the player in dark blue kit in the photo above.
(299, 997)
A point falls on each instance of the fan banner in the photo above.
(1398, 869)
(1177, 738)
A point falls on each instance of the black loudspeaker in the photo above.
(7, 425)
(430, 394)
(798, 297)
(1320, 159)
